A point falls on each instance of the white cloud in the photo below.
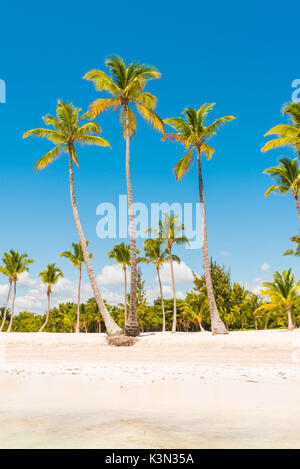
(255, 286)
(111, 275)
(265, 267)
(24, 280)
(182, 273)
(226, 253)
(3, 294)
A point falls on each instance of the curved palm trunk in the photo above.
(47, 314)
(217, 325)
(78, 302)
(125, 295)
(297, 205)
(289, 315)
(111, 326)
(132, 325)
(174, 293)
(12, 307)
(162, 301)
(6, 307)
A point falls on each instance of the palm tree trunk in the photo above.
(125, 295)
(78, 301)
(12, 307)
(6, 307)
(162, 301)
(174, 293)
(297, 205)
(47, 314)
(112, 327)
(217, 325)
(132, 326)
(289, 315)
(200, 324)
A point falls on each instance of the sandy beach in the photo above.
(183, 390)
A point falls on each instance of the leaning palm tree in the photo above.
(121, 254)
(282, 293)
(126, 85)
(69, 130)
(287, 179)
(296, 251)
(170, 230)
(77, 259)
(15, 264)
(192, 132)
(287, 134)
(50, 276)
(156, 254)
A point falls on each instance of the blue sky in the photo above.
(241, 57)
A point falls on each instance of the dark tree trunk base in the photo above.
(132, 330)
(121, 340)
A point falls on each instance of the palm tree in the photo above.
(288, 134)
(6, 271)
(170, 230)
(126, 85)
(287, 179)
(155, 254)
(282, 292)
(192, 132)
(294, 252)
(77, 259)
(68, 131)
(15, 264)
(50, 277)
(121, 254)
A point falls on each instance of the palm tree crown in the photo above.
(68, 129)
(50, 276)
(155, 253)
(15, 264)
(76, 256)
(121, 254)
(126, 85)
(283, 289)
(286, 176)
(192, 132)
(287, 134)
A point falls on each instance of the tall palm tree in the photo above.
(296, 251)
(77, 259)
(126, 85)
(69, 130)
(121, 254)
(282, 292)
(156, 254)
(287, 134)
(287, 179)
(192, 132)
(50, 276)
(8, 271)
(170, 230)
(15, 264)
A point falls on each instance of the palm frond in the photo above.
(184, 165)
(151, 117)
(49, 157)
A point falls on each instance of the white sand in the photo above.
(183, 390)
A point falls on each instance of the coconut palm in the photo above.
(156, 254)
(126, 85)
(50, 276)
(192, 132)
(170, 230)
(287, 179)
(296, 251)
(69, 130)
(121, 254)
(8, 272)
(282, 293)
(288, 134)
(15, 264)
(77, 259)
